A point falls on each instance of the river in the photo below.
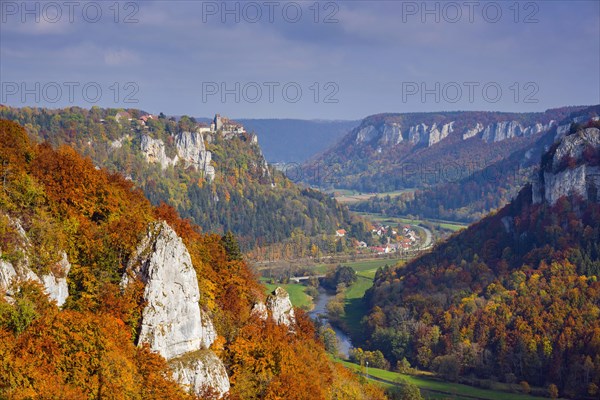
(320, 312)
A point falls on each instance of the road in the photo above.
(428, 238)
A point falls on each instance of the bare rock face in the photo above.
(568, 172)
(57, 287)
(509, 129)
(194, 371)
(172, 322)
(574, 145)
(366, 134)
(436, 134)
(55, 283)
(154, 151)
(280, 307)
(260, 310)
(190, 151)
(392, 134)
(473, 131)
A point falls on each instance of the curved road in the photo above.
(428, 237)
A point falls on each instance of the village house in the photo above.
(340, 233)
(123, 115)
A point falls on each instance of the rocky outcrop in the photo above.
(427, 133)
(190, 151)
(278, 306)
(436, 135)
(154, 151)
(568, 172)
(366, 134)
(509, 129)
(55, 286)
(260, 310)
(197, 370)
(54, 281)
(478, 128)
(172, 322)
(390, 134)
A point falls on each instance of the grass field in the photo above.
(351, 196)
(383, 219)
(435, 389)
(297, 295)
(359, 266)
(355, 309)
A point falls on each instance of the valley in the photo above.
(300, 200)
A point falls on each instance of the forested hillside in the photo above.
(469, 198)
(387, 152)
(516, 296)
(224, 184)
(56, 205)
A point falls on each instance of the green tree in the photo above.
(404, 391)
(232, 247)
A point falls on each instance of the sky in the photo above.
(300, 59)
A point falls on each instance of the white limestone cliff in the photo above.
(390, 134)
(576, 177)
(190, 151)
(278, 306)
(172, 322)
(478, 128)
(54, 281)
(154, 151)
(509, 129)
(366, 134)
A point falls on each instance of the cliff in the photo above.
(190, 151)
(12, 273)
(172, 323)
(571, 167)
(428, 134)
(278, 306)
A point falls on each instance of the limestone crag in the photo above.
(390, 134)
(568, 172)
(190, 151)
(172, 322)
(510, 129)
(54, 281)
(260, 310)
(393, 133)
(366, 134)
(280, 307)
(55, 286)
(478, 128)
(194, 370)
(154, 151)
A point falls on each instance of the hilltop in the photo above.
(216, 176)
(515, 296)
(104, 295)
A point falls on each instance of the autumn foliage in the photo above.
(513, 298)
(88, 348)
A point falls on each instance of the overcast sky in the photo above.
(326, 60)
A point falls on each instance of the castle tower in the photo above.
(218, 122)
